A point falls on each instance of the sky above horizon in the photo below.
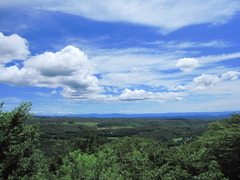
(155, 56)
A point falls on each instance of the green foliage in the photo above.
(127, 158)
(223, 142)
(216, 155)
(78, 165)
(89, 145)
(213, 156)
(19, 155)
(135, 157)
(191, 161)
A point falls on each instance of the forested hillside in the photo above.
(169, 131)
(89, 148)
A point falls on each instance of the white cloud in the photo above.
(202, 82)
(168, 15)
(112, 89)
(46, 94)
(214, 43)
(128, 79)
(69, 69)
(127, 68)
(232, 75)
(132, 59)
(223, 84)
(205, 60)
(179, 88)
(13, 47)
(18, 77)
(187, 64)
(190, 44)
(142, 95)
(221, 88)
(54, 92)
(63, 63)
(72, 71)
(205, 80)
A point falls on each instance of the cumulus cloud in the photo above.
(18, 77)
(187, 64)
(205, 80)
(72, 71)
(168, 15)
(231, 75)
(63, 63)
(210, 84)
(13, 47)
(69, 69)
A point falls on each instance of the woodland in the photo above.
(65, 148)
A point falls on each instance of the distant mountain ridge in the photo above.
(211, 115)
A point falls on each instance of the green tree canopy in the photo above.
(19, 154)
(222, 141)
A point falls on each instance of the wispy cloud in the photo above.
(168, 15)
(46, 94)
(217, 58)
(189, 44)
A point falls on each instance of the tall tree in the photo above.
(19, 154)
(223, 142)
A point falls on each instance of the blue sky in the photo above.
(156, 56)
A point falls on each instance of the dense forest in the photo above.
(67, 148)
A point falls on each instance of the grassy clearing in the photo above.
(121, 127)
(116, 127)
(90, 124)
(177, 139)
